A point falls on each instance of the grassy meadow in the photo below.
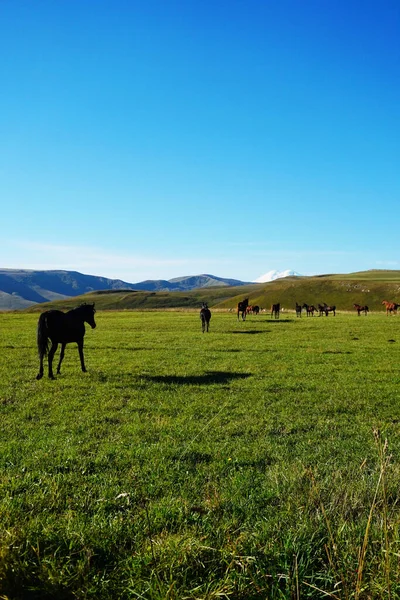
(258, 461)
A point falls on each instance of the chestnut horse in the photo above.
(391, 307)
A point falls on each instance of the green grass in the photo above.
(246, 463)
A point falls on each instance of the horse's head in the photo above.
(88, 311)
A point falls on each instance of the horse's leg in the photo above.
(203, 324)
(61, 358)
(40, 374)
(52, 352)
(80, 349)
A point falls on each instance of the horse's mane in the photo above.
(81, 308)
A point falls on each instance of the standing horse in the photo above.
(242, 308)
(256, 309)
(62, 328)
(391, 307)
(298, 310)
(205, 316)
(310, 309)
(361, 309)
(325, 309)
(275, 310)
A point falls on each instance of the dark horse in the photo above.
(242, 308)
(205, 316)
(275, 310)
(298, 310)
(325, 309)
(62, 328)
(310, 309)
(361, 309)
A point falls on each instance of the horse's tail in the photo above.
(42, 335)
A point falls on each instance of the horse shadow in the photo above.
(247, 331)
(271, 320)
(208, 378)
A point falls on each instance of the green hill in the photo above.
(367, 287)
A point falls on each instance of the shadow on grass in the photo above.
(208, 378)
(280, 321)
(21, 587)
(248, 331)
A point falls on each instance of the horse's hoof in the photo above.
(52, 377)
(84, 371)
(39, 376)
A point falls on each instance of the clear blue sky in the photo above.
(158, 138)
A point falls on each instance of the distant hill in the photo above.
(367, 287)
(22, 288)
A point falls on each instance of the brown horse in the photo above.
(242, 308)
(310, 309)
(391, 307)
(324, 309)
(275, 310)
(361, 309)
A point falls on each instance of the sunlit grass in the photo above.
(241, 463)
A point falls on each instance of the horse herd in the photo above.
(63, 328)
(244, 308)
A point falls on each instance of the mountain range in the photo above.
(21, 288)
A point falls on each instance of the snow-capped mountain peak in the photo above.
(272, 275)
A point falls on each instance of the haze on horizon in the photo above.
(156, 140)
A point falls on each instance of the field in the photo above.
(258, 461)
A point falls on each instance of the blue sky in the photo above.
(147, 140)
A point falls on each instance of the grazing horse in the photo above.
(62, 328)
(298, 310)
(242, 308)
(361, 309)
(205, 316)
(275, 310)
(391, 307)
(325, 309)
(310, 309)
(256, 309)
